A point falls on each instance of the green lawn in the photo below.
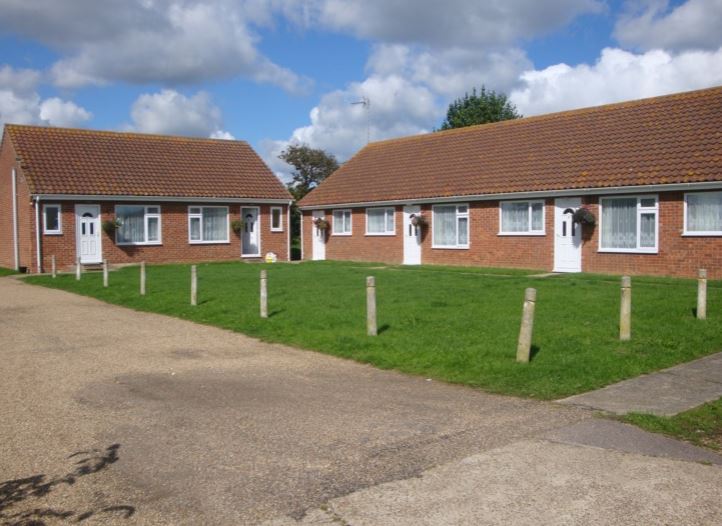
(6, 271)
(453, 324)
(701, 426)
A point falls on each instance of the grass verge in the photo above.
(456, 325)
(701, 426)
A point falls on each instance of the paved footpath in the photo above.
(111, 416)
(664, 393)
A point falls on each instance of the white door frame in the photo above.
(79, 211)
(257, 226)
(318, 241)
(411, 236)
(567, 236)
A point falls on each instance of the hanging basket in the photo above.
(320, 223)
(237, 226)
(418, 220)
(584, 216)
(109, 226)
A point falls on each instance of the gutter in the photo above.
(608, 190)
(159, 199)
(16, 247)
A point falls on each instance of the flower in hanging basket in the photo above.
(320, 223)
(584, 216)
(111, 225)
(237, 225)
(418, 220)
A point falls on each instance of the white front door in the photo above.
(88, 240)
(250, 237)
(319, 238)
(412, 237)
(567, 236)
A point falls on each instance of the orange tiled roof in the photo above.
(86, 162)
(669, 139)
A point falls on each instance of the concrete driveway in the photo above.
(115, 416)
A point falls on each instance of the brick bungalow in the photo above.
(170, 199)
(648, 173)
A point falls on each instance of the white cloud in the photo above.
(58, 112)
(451, 23)
(618, 75)
(694, 24)
(149, 41)
(20, 102)
(172, 113)
(222, 134)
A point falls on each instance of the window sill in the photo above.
(154, 244)
(702, 234)
(227, 242)
(387, 234)
(341, 235)
(522, 234)
(276, 230)
(251, 255)
(626, 251)
(53, 233)
(449, 247)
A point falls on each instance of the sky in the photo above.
(277, 72)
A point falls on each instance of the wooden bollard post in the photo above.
(53, 268)
(371, 328)
(105, 273)
(264, 294)
(77, 269)
(625, 310)
(142, 278)
(194, 285)
(702, 295)
(523, 348)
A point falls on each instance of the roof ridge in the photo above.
(545, 116)
(89, 131)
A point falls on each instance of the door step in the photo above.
(91, 266)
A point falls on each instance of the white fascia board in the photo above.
(610, 190)
(162, 199)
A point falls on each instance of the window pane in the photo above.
(275, 218)
(153, 230)
(153, 210)
(619, 222)
(704, 212)
(376, 218)
(339, 222)
(463, 209)
(514, 217)
(646, 230)
(194, 210)
(537, 217)
(215, 224)
(463, 231)
(52, 219)
(195, 228)
(445, 226)
(648, 202)
(390, 220)
(132, 227)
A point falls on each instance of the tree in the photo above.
(481, 108)
(311, 166)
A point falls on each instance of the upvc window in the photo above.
(276, 219)
(342, 222)
(208, 224)
(521, 217)
(451, 226)
(139, 225)
(629, 224)
(380, 221)
(52, 220)
(703, 214)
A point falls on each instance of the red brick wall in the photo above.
(25, 212)
(174, 235)
(678, 255)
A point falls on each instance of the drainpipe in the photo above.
(16, 248)
(301, 227)
(288, 225)
(37, 236)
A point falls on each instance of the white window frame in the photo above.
(146, 215)
(459, 215)
(342, 212)
(640, 210)
(279, 228)
(386, 232)
(200, 215)
(528, 231)
(58, 231)
(698, 233)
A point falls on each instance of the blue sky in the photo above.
(278, 71)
